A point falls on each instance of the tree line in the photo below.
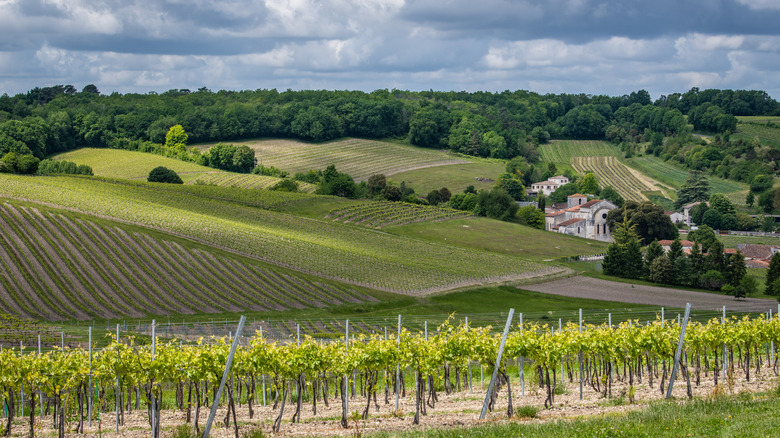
(53, 119)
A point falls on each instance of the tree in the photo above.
(749, 199)
(773, 275)
(712, 219)
(736, 269)
(531, 216)
(393, 193)
(243, 159)
(697, 212)
(766, 200)
(650, 220)
(748, 286)
(512, 186)
(653, 251)
(661, 271)
(761, 183)
(704, 236)
(496, 204)
(444, 194)
(176, 138)
(563, 192)
(712, 280)
(429, 126)
(720, 202)
(433, 197)
(610, 194)
(695, 188)
(588, 184)
(376, 184)
(162, 174)
(285, 185)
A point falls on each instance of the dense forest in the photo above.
(49, 120)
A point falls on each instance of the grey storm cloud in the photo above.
(593, 46)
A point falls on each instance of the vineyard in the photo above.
(319, 247)
(357, 157)
(56, 267)
(565, 151)
(611, 172)
(246, 181)
(410, 377)
(759, 128)
(384, 213)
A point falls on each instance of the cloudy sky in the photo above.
(575, 46)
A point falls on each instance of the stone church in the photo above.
(580, 217)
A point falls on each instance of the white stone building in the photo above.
(549, 186)
(582, 218)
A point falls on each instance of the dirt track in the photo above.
(597, 289)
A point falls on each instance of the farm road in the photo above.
(597, 289)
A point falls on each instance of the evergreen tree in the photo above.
(737, 269)
(653, 251)
(695, 188)
(772, 275)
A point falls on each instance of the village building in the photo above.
(581, 218)
(549, 186)
(687, 212)
(757, 256)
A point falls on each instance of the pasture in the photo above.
(119, 163)
(357, 157)
(455, 177)
(766, 129)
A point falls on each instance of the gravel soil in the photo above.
(459, 409)
(598, 289)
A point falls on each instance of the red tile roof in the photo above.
(577, 195)
(590, 203)
(757, 252)
(570, 222)
(685, 243)
(555, 213)
(756, 263)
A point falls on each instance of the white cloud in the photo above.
(761, 4)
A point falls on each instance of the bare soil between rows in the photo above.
(598, 289)
(459, 409)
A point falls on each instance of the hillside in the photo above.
(230, 219)
(55, 265)
(357, 157)
(134, 165)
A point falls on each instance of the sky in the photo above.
(608, 47)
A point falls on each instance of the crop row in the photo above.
(564, 151)
(384, 213)
(611, 172)
(320, 247)
(606, 360)
(56, 267)
(767, 135)
(359, 158)
(247, 181)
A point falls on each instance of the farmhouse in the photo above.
(581, 218)
(549, 186)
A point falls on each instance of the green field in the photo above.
(562, 151)
(384, 213)
(765, 128)
(246, 181)
(674, 175)
(455, 177)
(504, 238)
(119, 163)
(320, 247)
(357, 157)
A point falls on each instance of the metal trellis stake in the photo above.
(213, 412)
(498, 362)
(679, 350)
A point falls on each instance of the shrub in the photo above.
(712, 280)
(286, 185)
(162, 174)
